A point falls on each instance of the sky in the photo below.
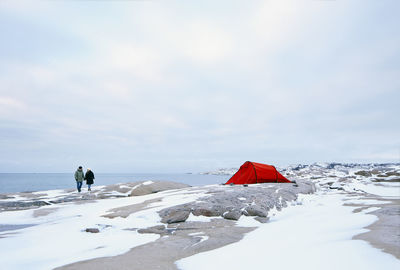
(190, 86)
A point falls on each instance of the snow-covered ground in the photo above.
(58, 236)
(314, 235)
(314, 232)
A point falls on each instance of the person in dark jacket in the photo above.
(79, 176)
(89, 177)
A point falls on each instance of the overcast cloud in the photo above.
(176, 86)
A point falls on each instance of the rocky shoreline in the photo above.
(32, 200)
(182, 221)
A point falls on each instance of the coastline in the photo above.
(118, 225)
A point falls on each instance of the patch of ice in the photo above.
(116, 193)
(202, 239)
(336, 185)
(366, 202)
(384, 191)
(54, 193)
(124, 186)
(147, 183)
(196, 233)
(247, 221)
(199, 218)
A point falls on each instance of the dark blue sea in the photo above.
(24, 182)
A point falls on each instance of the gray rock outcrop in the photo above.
(92, 230)
(156, 187)
(231, 202)
(30, 200)
(175, 215)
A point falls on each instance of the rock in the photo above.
(159, 229)
(18, 205)
(393, 173)
(262, 219)
(386, 180)
(337, 186)
(226, 201)
(209, 210)
(156, 187)
(375, 171)
(363, 173)
(5, 197)
(92, 230)
(233, 215)
(255, 210)
(175, 216)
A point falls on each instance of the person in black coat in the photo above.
(89, 177)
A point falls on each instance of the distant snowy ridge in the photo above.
(316, 166)
(222, 171)
(376, 178)
(381, 179)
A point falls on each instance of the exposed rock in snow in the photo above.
(232, 214)
(230, 202)
(28, 200)
(159, 229)
(378, 179)
(175, 215)
(255, 210)
(92, 230)
(149, 187)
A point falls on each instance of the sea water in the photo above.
(25, 182)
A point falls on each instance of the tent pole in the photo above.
(255, 172)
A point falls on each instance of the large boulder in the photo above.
(154, 187)
(175, 216)
(209, 210)
(233, 215)
(255, 210)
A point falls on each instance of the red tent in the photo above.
(252, 173)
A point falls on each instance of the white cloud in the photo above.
(162, 81)
(11, 103)
(204, 43)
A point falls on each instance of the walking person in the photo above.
(79, 177)
(89, 177)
